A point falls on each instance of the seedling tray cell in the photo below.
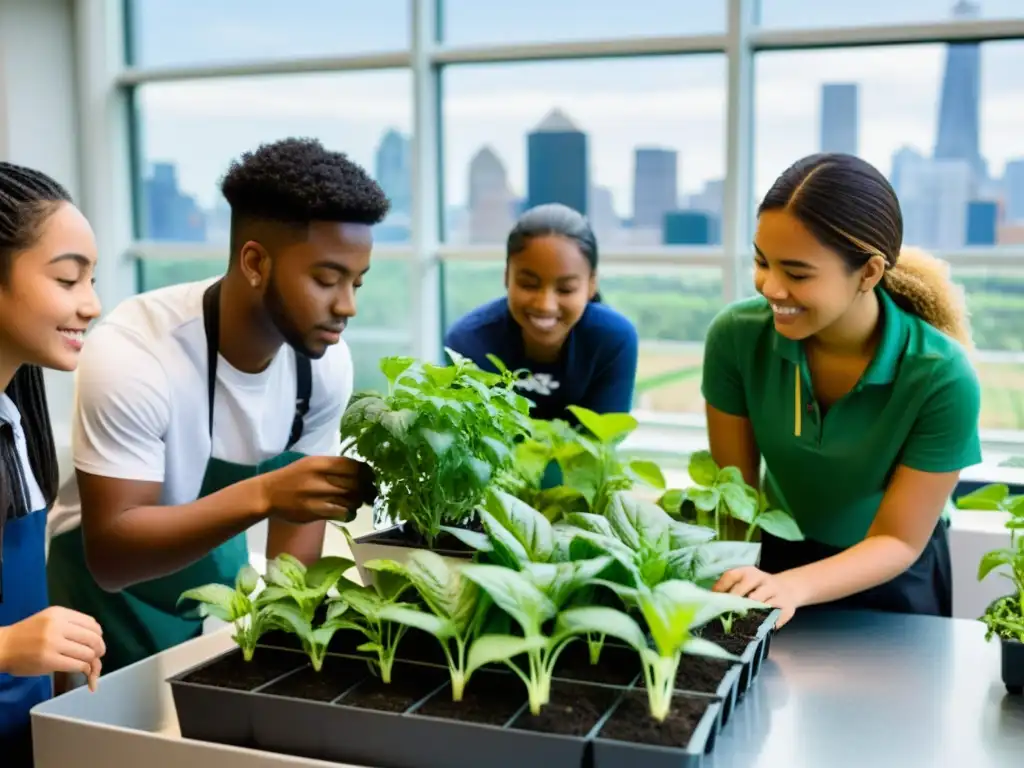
(748, 640)
(213, 699)
(687, 734)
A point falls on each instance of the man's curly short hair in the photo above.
(298, 181)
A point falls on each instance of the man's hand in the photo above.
(318, 488)
(54, 640)
(776, 590)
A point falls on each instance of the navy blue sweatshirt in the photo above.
(596, 368)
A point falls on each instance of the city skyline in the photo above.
(691, 124)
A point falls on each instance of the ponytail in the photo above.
(920, 284)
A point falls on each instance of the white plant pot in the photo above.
(379, 545)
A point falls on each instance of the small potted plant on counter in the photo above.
(1004, 617)
(436, 440)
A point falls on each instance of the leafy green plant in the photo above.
(672, 610)
(516, 594)
(1004, 617)
(288, 579)
(367, 609)
(589, 460)
(457, 607)
(720, 493)
(437, 438)
(314, 639)
(235, 606)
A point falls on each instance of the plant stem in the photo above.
(595, 647)
(751, 529)
(660, 685)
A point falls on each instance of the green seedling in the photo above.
(235, 606)
(672, 610)
(288, 580)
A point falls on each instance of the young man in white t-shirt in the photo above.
(204, 408)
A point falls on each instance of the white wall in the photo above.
(38, 116)
(60, 113)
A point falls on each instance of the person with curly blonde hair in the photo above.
(849, 374)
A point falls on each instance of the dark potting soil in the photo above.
(417, 645)
(744, 630)
(407, 536)
(409, 683)
(234, 672)
(334, 678)
(572, 711)
(699, 674)
(489, 698)
(346, 641)
(615, 666)
(632, 721)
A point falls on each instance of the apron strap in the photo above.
(303, 367)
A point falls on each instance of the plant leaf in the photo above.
(995, 559)
(703, 469)
(472, 539)
(215, 595)
(716, 557)
(687, 535)
(325, 572)
(698, 646)
(393, 367)
(439, 442)
(739, 503)
(397, 423)
(273, 594)
(488, 649)
(560, 580)
(601, 620)
(247, 580)
(778, 523)
(588, 521)
(286, 571)
(647, 472)
(513, 593)
(639, 523)
(729, 476)
(530, 528)
(289, 618)
(437, 626)
(608, 428)
(704, 499)
(989, 497)
(672, 501)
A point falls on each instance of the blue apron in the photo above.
(23, 583)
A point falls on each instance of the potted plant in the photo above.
(721, 499)
(435, 440)
(1004, 617)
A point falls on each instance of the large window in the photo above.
(620, 109)
(476, 22)
(202, 32)
(796, 14)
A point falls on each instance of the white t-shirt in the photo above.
(141, 396)
(9, 414)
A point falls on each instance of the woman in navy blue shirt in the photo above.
(47, 257)
(552, 323)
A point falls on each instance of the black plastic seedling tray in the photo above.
(1013, 666)
(750, 643)
(341, 715)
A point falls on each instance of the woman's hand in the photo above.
(54, 640)
(775, 589)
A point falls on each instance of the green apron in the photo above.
(144, 619)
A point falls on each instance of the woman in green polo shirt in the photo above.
(849, 375)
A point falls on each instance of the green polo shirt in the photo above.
(917, 404)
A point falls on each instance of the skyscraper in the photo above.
(959, 105)
(840, 118)
(491, 203)
(393, 171)
(655, 186)
(557, 161)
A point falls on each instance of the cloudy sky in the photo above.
(676, 102)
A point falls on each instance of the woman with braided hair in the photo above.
(47, 258)
(849, 375)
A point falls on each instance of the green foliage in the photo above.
(672, 610)
(719, 493)
(590, 462)
(288, 580)
(437, 438)
(1004, 617)
(235, 606)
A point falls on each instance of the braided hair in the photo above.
(27, 199)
